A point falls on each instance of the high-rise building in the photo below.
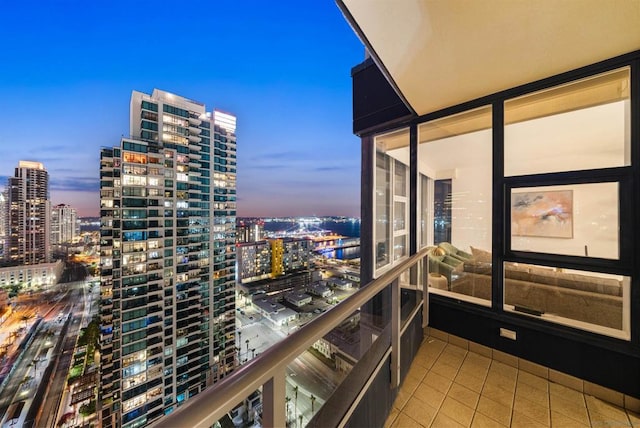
(272, 258)
(28, 223)
(167, 258)
(64, 224)
(4, 216)
(249, 231)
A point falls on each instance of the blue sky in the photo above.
(67, 69)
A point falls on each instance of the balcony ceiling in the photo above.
(439, 53)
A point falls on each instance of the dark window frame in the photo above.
(627, 176)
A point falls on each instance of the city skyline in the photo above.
(292, 98)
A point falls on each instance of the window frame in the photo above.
(628, 177)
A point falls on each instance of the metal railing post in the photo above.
(425, 291)
(395, 333)
(273, 401)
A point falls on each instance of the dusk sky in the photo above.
(67, 69)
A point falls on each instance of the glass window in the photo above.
(577, 126)
(573, 219)
(425, 215)
(589, 300)
(391, 198)
(455, 161)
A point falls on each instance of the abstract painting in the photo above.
(542, 214)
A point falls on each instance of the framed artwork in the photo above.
(547, 214)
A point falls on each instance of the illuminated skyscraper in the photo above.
(28, 220)
(3, 222)
(168, 258)
(64, 225)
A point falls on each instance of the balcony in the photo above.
(454, 382)
(402, 319)
(414, 379)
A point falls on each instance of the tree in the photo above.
(87, 409)
(295, 391)
(300, 417)
(313, 400)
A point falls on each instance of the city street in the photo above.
(46, 314)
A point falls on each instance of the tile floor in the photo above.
(448, 386)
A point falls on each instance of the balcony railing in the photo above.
(268, 370)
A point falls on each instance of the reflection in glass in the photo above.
(455, 152)
(577, 126)
(442, 211)
(573, 219)
(590, 300)
(383, 210)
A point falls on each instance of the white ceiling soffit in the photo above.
(441, 53)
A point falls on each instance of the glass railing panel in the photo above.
(338, 352)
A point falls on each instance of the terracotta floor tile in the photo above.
(479, 372)
(599, 420)
(404, 421)
(566, 393)
(444, 421)
(392, 417)
(498, 394)
(504, 382)
(409, 385)
(503, 369)
(538, 413)
(595, 405)
(570, 408)
(401, 399)
(558, 420)
(454, 350)
(444, 370)
(419, 411)
(457, 411)
(482, 421)
(417, 371)
(437, 382)
(477, 360)
(469, 380)
(425, 361)
(533, 380)
(520, 420)
(464, 395)
(429, 395)
(446, 383)
(494, 410)
(533, 394)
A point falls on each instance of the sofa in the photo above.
(537, 290)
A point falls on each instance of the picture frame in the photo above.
(542, 214)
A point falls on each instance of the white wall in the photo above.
(467, 160)
(595, 137)
(595, 223)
